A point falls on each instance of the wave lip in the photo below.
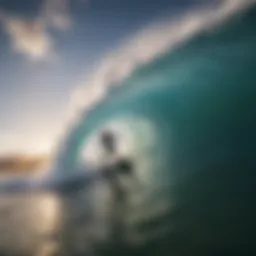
(146, 46)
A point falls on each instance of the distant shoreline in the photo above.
(19, 164)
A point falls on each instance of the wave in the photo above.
(140, 52)
(146, 46)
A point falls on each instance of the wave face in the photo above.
(163, 55)
(182, 109)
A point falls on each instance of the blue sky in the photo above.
(47, 48)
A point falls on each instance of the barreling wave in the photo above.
(160, 39)
(148, 45)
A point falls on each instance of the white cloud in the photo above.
(146, 46)
(29, 37)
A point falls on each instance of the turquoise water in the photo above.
(196, 105)
(203, 82)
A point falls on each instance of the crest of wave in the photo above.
(147, 45)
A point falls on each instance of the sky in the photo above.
(48, 48)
